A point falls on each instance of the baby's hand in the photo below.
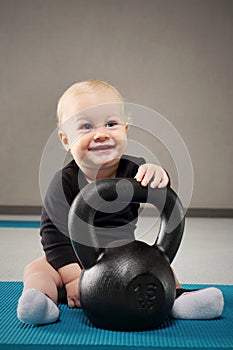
(72, 293)
(149, 171)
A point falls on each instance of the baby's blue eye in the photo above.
(86, 127)
(111, 123)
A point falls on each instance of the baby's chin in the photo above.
(105, 162)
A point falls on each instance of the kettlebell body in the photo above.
(128, 287)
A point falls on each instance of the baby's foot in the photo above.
(199, 305)
(35, 308)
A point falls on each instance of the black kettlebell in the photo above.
(128, 287)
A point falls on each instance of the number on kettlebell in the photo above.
(146, 294)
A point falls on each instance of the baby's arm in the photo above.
(70, 275)
(147, 172)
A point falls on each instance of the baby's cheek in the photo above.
(81, 143)
(122, 139)
(77, 152)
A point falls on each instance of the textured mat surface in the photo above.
(74, 331)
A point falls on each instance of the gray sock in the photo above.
(34, 307)
(201, 304)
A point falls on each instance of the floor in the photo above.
(205, 255)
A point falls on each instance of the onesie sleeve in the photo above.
(54, 223)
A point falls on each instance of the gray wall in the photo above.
(174, 56)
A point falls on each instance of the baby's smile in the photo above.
(102, 148)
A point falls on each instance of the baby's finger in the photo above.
(156, 181)
(71, 302)
(141, 172)
(77, 303)
(148, 176)
(164, 181)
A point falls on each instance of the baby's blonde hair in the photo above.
(82, 87)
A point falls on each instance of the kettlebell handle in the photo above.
(88, 201)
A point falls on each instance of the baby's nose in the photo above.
(101, 136)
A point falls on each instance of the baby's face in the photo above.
(94, 129)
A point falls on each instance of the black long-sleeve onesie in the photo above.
(62, 190)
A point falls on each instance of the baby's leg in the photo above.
(197, 304)
(42, 276)
(37, 304)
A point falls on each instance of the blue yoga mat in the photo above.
(74, 331)
(19, 223)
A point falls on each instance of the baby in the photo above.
(96, 137)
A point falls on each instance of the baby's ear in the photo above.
(64, 139)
